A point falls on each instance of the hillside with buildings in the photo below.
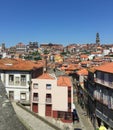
(51, 79)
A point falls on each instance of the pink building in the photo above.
(53, 97)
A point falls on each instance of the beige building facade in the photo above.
(51, 96)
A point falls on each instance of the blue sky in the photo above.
(55, 21)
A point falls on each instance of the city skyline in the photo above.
(61, 21)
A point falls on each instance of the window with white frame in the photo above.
(11, 79)
(23, 96)
(17, 80)
(35, 85)
(48, 86)
(23, 79)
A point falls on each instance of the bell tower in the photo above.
(97, 39)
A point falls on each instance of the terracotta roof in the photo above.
(97, 60)
(85, 62)
(64, 81)
(96, 52)
(82, 72)
(70, 67)
(108, 67)
(46, 76)
(14, 64)
(73, 67)
(84, 56)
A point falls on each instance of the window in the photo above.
(102, 77)
(48, 98)
(60, 114)
(35, 85)
(11, 79)
(111, 101)
(110, 78)
(69, 93)
(35, 96)
(105, 96)
(23, 96)
(68, 116)
(48, 86)
(11, 95)
(23, 80)
(69, 106)
(17, 80)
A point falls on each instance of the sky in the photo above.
(56, 21)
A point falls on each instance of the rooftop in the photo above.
(18, 64)
(108, 67)
(64, 81)
(46, 76)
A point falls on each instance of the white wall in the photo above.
(16, 88)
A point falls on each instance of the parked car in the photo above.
(75, 115)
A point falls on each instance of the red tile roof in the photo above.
(64, 81)
(82, 72)
(84, 56)
(14, 64)
(108, 67)
(45, 76)
(85, 62)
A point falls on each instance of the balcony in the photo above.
(11, 82)
(23, 83)
(48, 100)
(104, 113)
(105, 83)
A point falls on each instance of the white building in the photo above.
(16, 76)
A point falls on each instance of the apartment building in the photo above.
(52, 96)
(99, 94)
(104, 93)
(16, 76)
(79, 85)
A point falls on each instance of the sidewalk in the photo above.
(29, 120)
(84, 123)
(36, 124)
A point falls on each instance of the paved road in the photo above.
(84, 123)
(31, 121)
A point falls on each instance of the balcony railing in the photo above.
(23, 83)
(11, 82)
(103, 82)
(48, 100)
(17, 83)
(104, 113)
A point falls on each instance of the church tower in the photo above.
(97, 39)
